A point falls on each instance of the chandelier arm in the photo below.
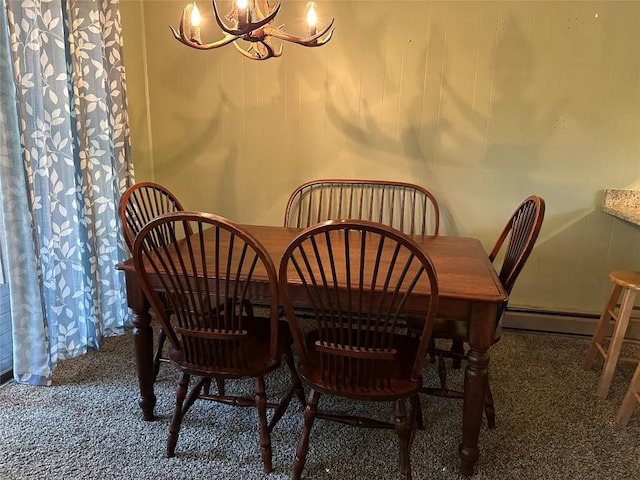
(320, 38)
(276, 53)
(262, 22)
(182, 37)
(226, 40)
(250, 25)
(271, 53)
(248, 54)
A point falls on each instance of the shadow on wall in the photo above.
(447, 139)
(612, 245)
(188, 156)
(478, 146)
(364, 120)
(518, 125)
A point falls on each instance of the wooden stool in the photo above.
(630, 399)
(626, 284)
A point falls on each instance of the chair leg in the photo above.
(174, 429)
(403, 429)
(265, 438)
(157, 359)
(631, 398)
(220, 386)
(415, 420)
(296, 387)
(295, 379)
(248, 308)
(601, 327)
(613, 352)
(442, 374)
(206, 387)
(457, 347)
(303, 444)
(193, 396)
(489, 409)
(432, 346)
(417, 406)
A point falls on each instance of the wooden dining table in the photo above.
(469, 289)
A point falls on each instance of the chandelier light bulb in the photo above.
(312, 18)
(195, 15)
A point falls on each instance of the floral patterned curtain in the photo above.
(60, 190)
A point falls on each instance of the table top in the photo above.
(463, 267)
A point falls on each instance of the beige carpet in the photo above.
(550, 425)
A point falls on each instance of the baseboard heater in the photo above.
(6, 376)
(557, 322)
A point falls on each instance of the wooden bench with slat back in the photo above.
(409, 208)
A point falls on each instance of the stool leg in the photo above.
(601, 327)
(630, 399)
(613, 352)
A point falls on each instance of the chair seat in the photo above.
(259, 363)
(626, 279)
(401, 384)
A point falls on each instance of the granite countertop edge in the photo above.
(623, 204)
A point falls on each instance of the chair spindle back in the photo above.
(141, 203)
(520, 235)
(406, 207)
(206, 285)
(357, 304)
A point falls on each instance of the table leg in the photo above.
(142, 344)
(481, 331)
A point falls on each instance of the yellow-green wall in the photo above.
(481, 102)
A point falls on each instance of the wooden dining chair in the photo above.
(143, 202)
(509, 255)
(139, 204)
(214, 266)
(356, 346)
(409, 208)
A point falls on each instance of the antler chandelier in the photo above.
(250, 21)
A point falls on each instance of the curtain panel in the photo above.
(60, 194)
